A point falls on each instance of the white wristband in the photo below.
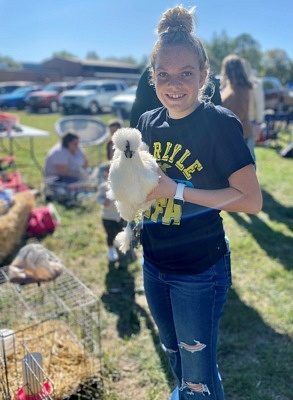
(179, 192)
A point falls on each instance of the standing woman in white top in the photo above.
(256, 107)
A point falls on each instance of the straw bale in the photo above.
(65, 362)
(13, 224)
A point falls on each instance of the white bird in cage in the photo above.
(34, 264)
(133, 175)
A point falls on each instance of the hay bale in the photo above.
(13, 224)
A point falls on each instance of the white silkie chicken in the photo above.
(133, 175)
(34, 264)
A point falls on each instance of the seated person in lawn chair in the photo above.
(65, 171)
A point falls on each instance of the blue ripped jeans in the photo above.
(187, 310)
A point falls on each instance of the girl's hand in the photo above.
(107, 202)
(165, 189)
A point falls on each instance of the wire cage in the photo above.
(49, 340)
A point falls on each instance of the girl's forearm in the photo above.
(228, 199)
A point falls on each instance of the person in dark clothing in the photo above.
(205, 167)
(146, 98)
(113, 125)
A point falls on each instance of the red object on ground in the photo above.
(42, 220)
(12, 180)
(7, 160)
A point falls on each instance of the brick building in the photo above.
(61, 69)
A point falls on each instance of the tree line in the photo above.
(274, 62)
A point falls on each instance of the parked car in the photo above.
(17, 98)
(48, 97)
(8, 87)
(91, 96)
(121, 104)
(273, 91)
(277, 98)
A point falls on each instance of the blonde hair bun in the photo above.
(177, 19)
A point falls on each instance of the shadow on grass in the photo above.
(276, 244)
(276, 211)
(255, 361)
(120, 299)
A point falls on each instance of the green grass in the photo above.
(255, 349)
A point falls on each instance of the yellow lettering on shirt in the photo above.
(179, 163)
(159, 209)
(172, 213)
(169, 212)
(196, 166)
(157, 150)
(168, 155)
(176, 150)
(175, 157)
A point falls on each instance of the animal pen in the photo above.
(49, 340)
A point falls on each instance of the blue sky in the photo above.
(32, 30)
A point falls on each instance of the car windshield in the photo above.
(272, 83)
(52, 88)
(21, 90)
(131, 90)
(86, 86)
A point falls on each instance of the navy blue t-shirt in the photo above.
(201, 150)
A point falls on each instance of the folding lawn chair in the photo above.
(274, 123)
(91, 131)
(69, 194)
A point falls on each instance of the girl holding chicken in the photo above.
(205, 167)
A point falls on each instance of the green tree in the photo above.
(248, 48)
(218, 48)
(126, 59)
(9, 63)
(277, 63)
(244, 45)
(63, 54)
(92, 55)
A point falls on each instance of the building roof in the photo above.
(94, 62)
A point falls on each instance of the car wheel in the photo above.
(94, 108)
(54, 107)
(125, 114)
(65, 111)
(32, 109)
(21, 105)
(280, 107)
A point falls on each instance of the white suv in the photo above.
(91, 96)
